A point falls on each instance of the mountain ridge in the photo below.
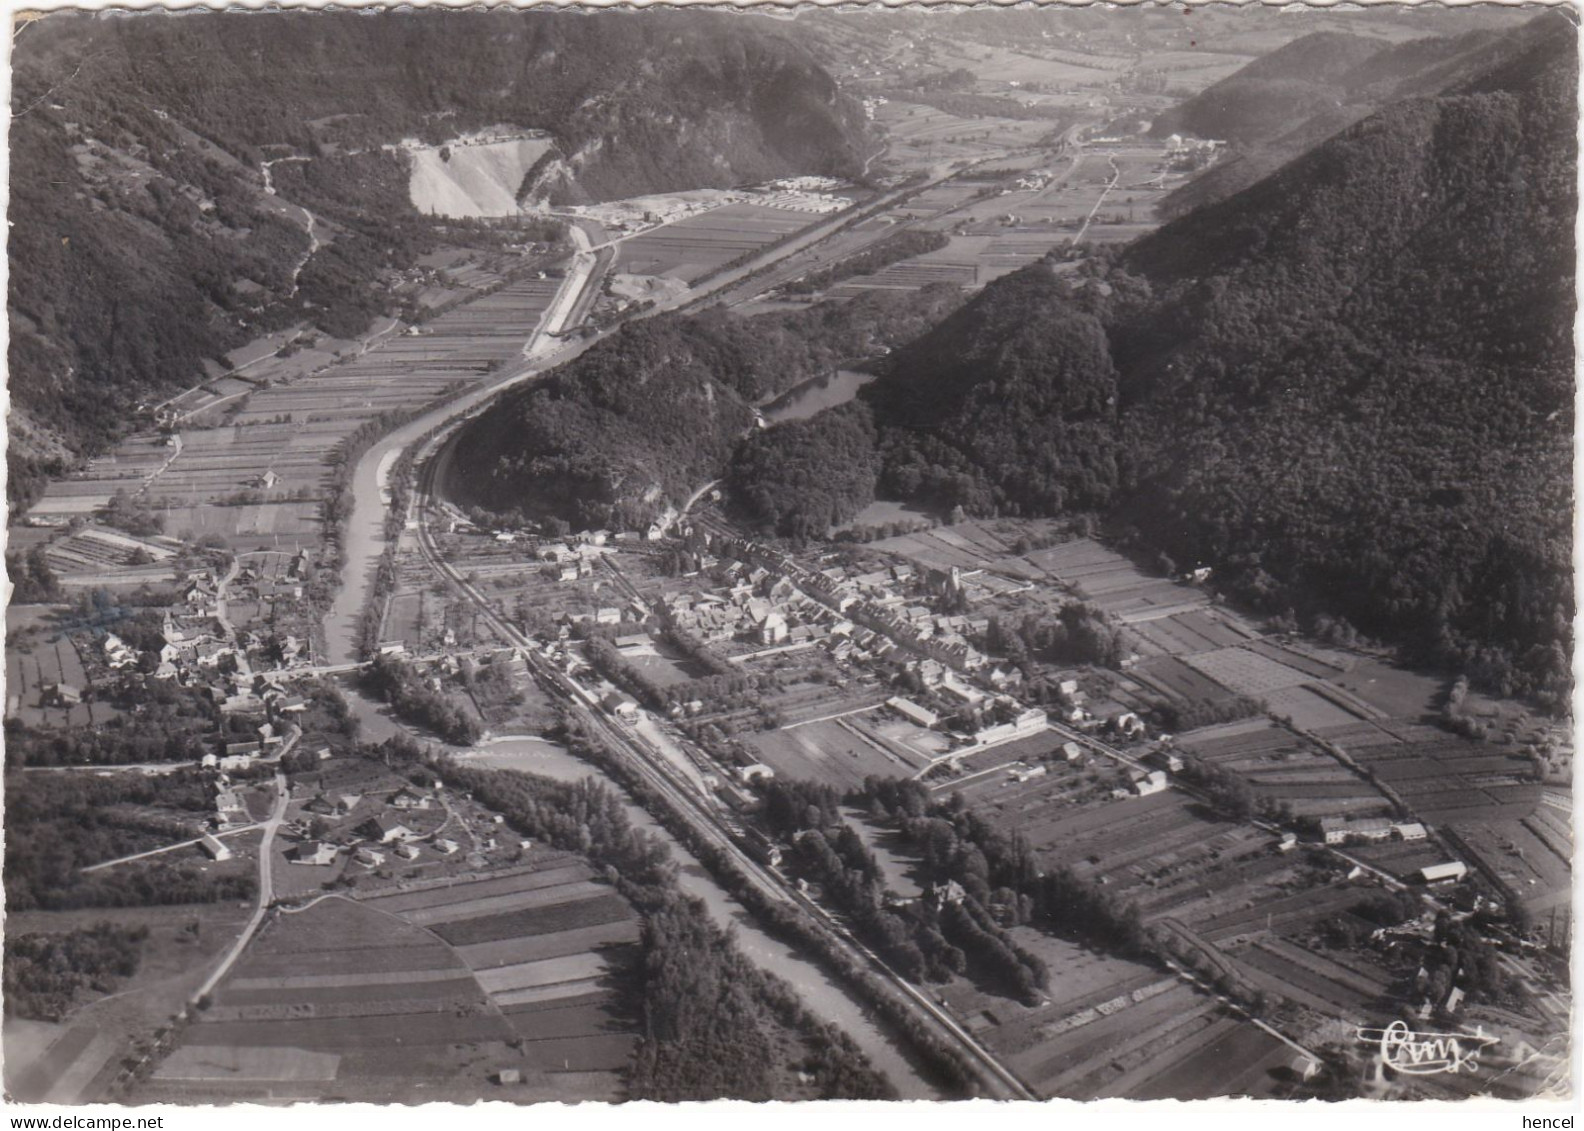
(135, 173)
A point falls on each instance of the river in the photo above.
(824, 997)
(815, 395)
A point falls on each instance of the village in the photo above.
(737, 663)
(1019, 800)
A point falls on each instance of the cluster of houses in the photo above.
(256, 581)
(196, 643)
(988, 719)
(387, 831)
(1142, 783)
(233, 751)
(249, 694)
(1078, 711)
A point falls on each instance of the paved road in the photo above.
(1116, 175)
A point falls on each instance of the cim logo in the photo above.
(1427, 1054)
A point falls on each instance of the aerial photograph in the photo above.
(800, 554)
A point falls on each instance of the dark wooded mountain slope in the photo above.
(1348, 387)
(142, 242)
(610, 437)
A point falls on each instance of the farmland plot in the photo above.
(1531, 867)
(1104, 1017)
(1172, 676)
(287, 1001)
(829, 752)
(547, 967)
(565, 871)
(463, 912)
(365, 1001)
(921, 136)
(1245, 672)
(691, 248)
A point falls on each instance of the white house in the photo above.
(213, 848)
(313, 853)
(1153, 782)
(911, 711)
(1450, 872)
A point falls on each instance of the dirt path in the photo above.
(265, 890)
(1116, 175)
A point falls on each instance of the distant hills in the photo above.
(143, 242)
(1349, 387)
(1283, 104)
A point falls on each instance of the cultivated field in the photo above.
(1188, 633)
(77, 1060)
(42, 660)
(251, 467)
(1114, 583)
(839, 751)
(691, 248)
(422, 995)
(920, 136)
(1529, 856)
(1115, 1027)
(1284, 768)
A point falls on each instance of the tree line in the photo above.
(712, 1021)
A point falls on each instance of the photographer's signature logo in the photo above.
(1427, 1054)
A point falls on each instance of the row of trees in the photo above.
(946, 1062)
(893, 249)
(712, 1021)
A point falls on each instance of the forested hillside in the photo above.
(993, 396)
(606, 439)
(803, 477)
(143, 242)
(653, 412)
(1348, 387)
